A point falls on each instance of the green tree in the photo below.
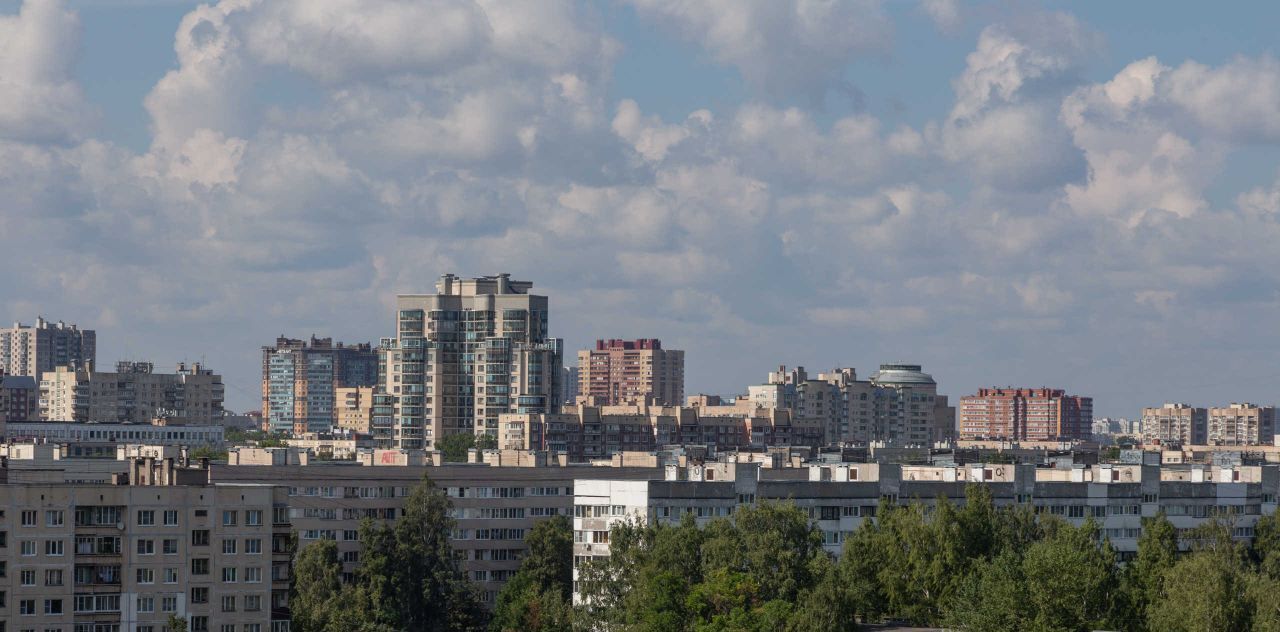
(1070, 579)
(176, 623)
(1206, 590)
(1144, 576)
(435, 592)
(1266, 544)
(317, 587)
(538, 596)
(828, 605)
(992, 597)
(453, 448)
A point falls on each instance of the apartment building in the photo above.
(33, 350)
(354, 408)
(114, 433)
(472, 351)
(19, 398)
(590, 432)
(133, 393)
(495, 505)
(161, 541)
(300, 379)
(1241, 424)
(631, 372)
(839, 497)
(898, 405)
(1175, 423)
(1025, 414)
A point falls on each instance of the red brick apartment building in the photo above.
(1025, 414)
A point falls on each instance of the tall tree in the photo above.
(1070, 579)
(1204, 591)
(317, 587)
(1144, 576)
(436, 593)
(538, 596)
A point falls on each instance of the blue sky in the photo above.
(1081, 194)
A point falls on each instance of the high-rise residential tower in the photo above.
(1025, 414)
(33, 350)
(1175, 423)
(300, 380)
(1241, 424)
(464, 355)
(631, 372)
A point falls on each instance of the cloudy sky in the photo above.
(1076, 195)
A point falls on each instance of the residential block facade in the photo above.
(33, 350)
(1175, 423)
(1025, 414)
(631, 372)
(1241, 424)
(19, 398)
(472, 351)
(300, 380)
(160, 542)
(133, 393)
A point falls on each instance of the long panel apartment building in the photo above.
(133, 393)
(160, 542)
(839, 497)
(592, 432)
(475, 349)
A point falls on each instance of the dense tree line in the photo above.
(969, 566)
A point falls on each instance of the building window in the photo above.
(229, 518)
(200, 566)
(146, 547)
(168, 604)
(229, 575)
(146, 604)
(171, 546)
(146, 518)
(253, 546)
(53, 518)
(170, 575)
(53, 577)
(28, 548)
(27, 607)
(199, 594)
(200, 537)
(53, 547)
(253, 574)
(29, 518)
(53, 606)
(229, 546)
(252, 517)
(171, 518)
(146, 576)
(229, 603)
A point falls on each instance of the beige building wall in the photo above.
(1241, 424)
(133, 555)
(354, 408)
(1175, 423)
(133, 393)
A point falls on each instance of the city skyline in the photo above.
(1070, 195)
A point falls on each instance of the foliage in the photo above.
(538, 598)
(176, 623)
(208, 452)
(455, 447)
(739, 574)
(409, 578)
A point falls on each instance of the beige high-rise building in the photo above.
(132, 393)
(353, 407)
(33, 350)
(1175, 423)
(1241, 424)
(475, 349)
(631, 372)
